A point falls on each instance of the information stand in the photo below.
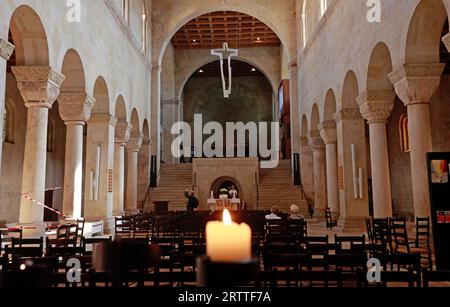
(439, 184)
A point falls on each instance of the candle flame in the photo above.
(227, 218)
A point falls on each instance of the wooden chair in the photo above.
(350, 244)
(422, 244)
(331, 223)
(381, 234)
(399, 236)
(87, 244)
(63, 231)
(7, 235)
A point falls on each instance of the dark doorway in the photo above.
(49, 215)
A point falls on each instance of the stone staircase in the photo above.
(276, 188)
(174, 180)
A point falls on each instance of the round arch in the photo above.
(146, 130)
(211, 59)
(425, 31)
(350, 91)
(73, 70)
(379, 68)
(121, 109)
(30, 39)
(330, 107)
(261, 13)
(135, 123)
(315, 118)
(101, 95)
(222, 182)
(304, 129)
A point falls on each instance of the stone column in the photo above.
(155, 129)
(376, 108)
(143, 170)
(351, 131)
(122, 135)
(75, 110)
(132, 147)
(6, 50)
(39, 87)
(307, 168)
(416, 84)
(329, 136)
(100, 169)
(320, 181)
(170, 116)
(295, 111)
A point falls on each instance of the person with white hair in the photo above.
(295, 213)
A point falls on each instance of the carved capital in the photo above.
(6, 49)
(39, 86)
(134, 144)
(123, 132)
(304, 141)
(315, 140)
(146, 142)
(347, 114)
(417, 83)
(376, 106)
(103, 118)
(75, 107)
(328, 131)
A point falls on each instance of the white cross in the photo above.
(225, 52)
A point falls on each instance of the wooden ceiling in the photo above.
(212, 30)
(239, 69)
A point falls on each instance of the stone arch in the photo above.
(350, 91)
(380, 66)
(121, 109)
(146, 130)
(315, 118)
(29, 38)
(211, 59)
(101, 95)
(329, 106)
(73, 70)
(223, 180)
(304, 127)
(135, 123)
(425, 31)
(180, 18)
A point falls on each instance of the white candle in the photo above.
(227, 241)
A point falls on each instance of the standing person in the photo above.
(233, 193)
(192, 202)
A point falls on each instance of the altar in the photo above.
(232, 204)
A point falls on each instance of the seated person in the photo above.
(274, 215)
(295, 213)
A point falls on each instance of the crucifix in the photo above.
(225, 53)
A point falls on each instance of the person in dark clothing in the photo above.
(192, 202)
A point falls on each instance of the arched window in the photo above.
(8, 123)
(304, 25)
(50, 136)
(144, 28)
(126, 10)
(323, 7)
(404, 133)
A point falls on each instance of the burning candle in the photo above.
(227, 241)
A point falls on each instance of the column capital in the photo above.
(134, 143)
(39, 86)
(328, 131)
(103, 118)
(347, 114)
(122, 133)
(6, 49)
(315, 140)
(446, 41)
(417, 83)
(376, 106)
(75, 107)
(146, 142)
